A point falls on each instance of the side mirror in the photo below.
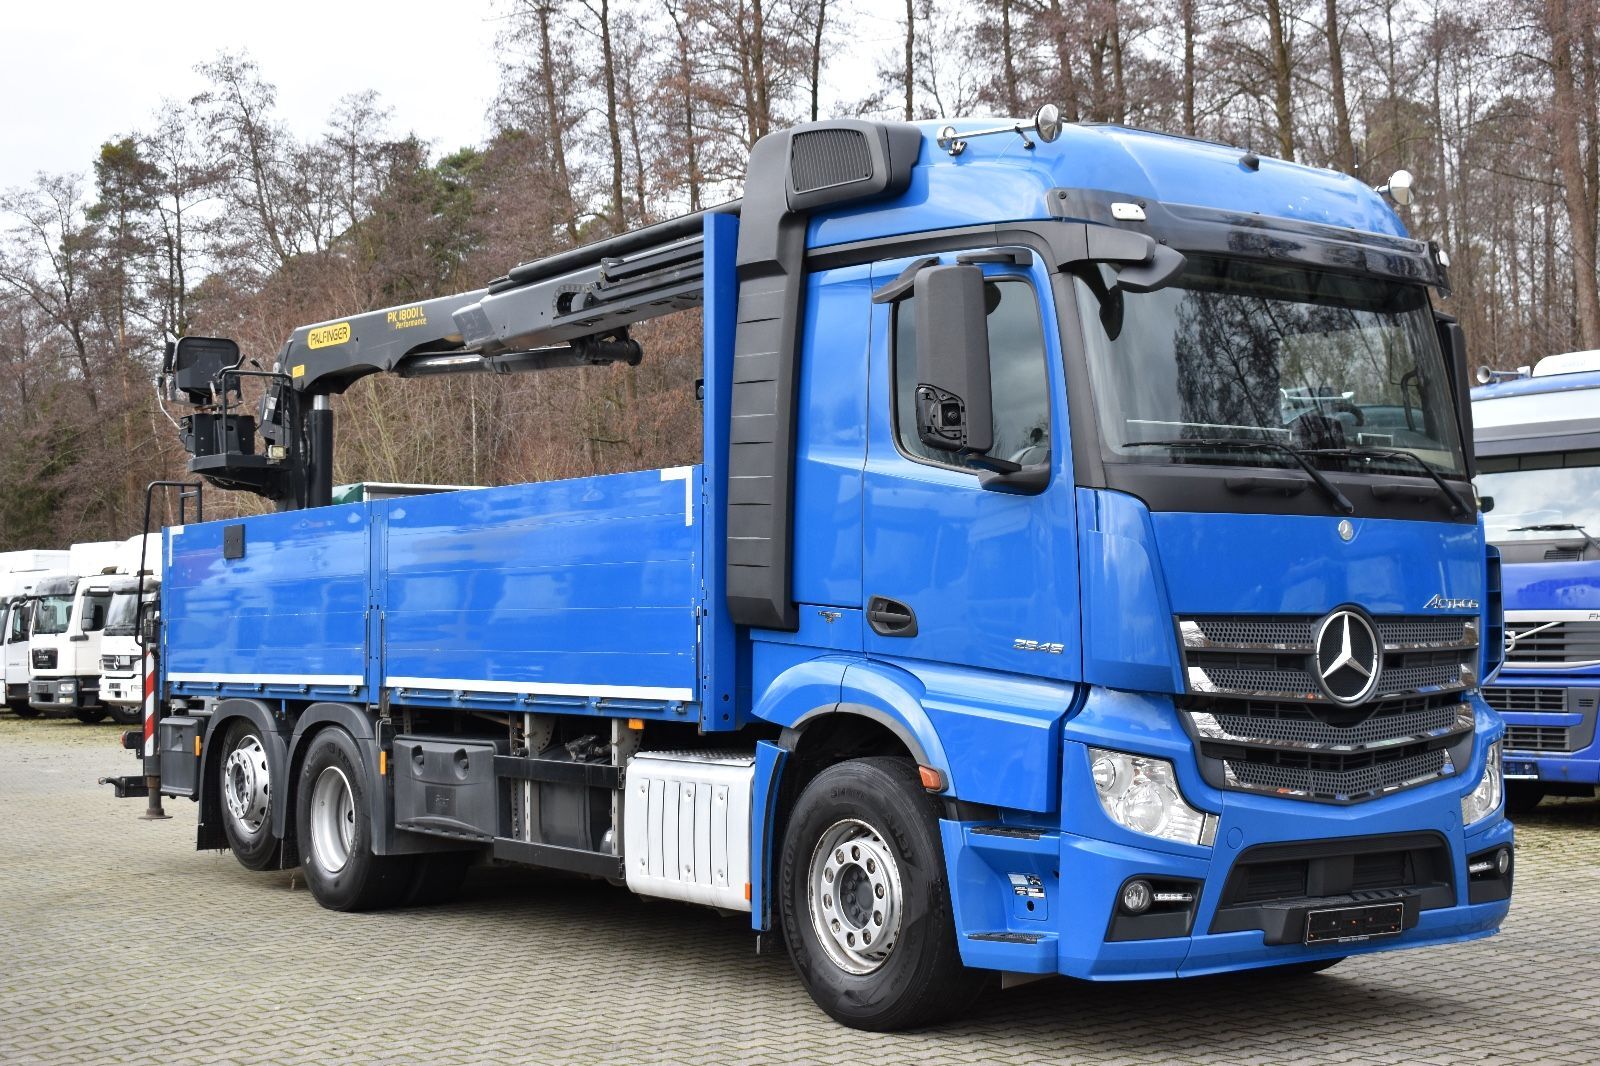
(1453, 343)
(954, 409)
(150, 627)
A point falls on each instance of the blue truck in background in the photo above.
(1538, 445)
(1082, 576)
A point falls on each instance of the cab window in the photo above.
(1017, 378)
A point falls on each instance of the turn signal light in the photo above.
(932, 780)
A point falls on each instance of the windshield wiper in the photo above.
(1458, 506)
(1340, 500)
(1558, 527)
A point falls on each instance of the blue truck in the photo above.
(1538, 445)
(1082, 576)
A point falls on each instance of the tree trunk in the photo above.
(1063, 50)
(911, 48)
(1569, 159)
(1345, 148)
(1188, 66)
(1008, 58)
(613, 133)
(759, 57)
(816, 56)
(557, 131)
(1282, 101)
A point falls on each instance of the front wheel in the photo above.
(127, 715)
(865, 903)
(332, 798)
(25, 711)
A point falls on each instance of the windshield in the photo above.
(51, 614)
(1548, 489)
(1240, 350)
(123, 614)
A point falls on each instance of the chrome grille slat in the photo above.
(1304, 731)
(1528, 700)
(1568, 642)
(1359, 781)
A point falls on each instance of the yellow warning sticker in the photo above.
(328, 336)
(407, 317)
(298, 371)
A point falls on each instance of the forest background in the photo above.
(214, 218)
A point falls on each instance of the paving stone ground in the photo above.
(121, 944)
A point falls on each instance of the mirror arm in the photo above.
(901, 286)
(1024, 481)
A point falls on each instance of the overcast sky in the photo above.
(75, 72)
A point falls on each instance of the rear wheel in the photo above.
(335, 831)
(1523, 796)
(90, 715)
(864, 900)
(247, 791)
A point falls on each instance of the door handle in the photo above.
(891, 618)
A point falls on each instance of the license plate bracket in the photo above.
(1365, 921)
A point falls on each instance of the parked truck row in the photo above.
(68, 624)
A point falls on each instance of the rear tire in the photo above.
(1523, 796)
(334, 829)
(90, 715)
(865, 903)
(245, 792)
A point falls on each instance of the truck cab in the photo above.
(69, 614)
(1538, 444)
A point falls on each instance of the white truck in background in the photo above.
(121, 657)
(70, 608)
(18, 572)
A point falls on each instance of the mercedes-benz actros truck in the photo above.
(1081, 576)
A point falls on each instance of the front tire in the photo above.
(864, 900)
(246, 791)
(127, 715)
(332, 800)
(25, 711)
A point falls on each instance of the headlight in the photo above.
(1141, 793)
(66, 688)
(1483, 800)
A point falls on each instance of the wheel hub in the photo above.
(855, 896)
(247, 785)
(333, 820)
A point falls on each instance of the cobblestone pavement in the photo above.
(120, 943)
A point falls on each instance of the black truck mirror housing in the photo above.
(954, 411)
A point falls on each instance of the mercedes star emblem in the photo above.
(1349, 656)
(1346, 530)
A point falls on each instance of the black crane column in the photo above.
(319, 480)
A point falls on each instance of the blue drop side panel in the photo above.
(723, 705)
(295, 604)
(588, 582)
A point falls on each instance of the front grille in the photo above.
(1337, 777)
(1263, 723)
(44, 659)
(1531, 700)
(1534, 642)
(1538, 738)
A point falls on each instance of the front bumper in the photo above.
(1568, 720)
(1044, 899)
(63, 695)
(122, 691)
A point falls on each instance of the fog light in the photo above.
(1136, 897)
(1502, 861)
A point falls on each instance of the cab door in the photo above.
(956, 572)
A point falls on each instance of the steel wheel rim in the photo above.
(854, 896)
(333, 820)
(247, 785)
